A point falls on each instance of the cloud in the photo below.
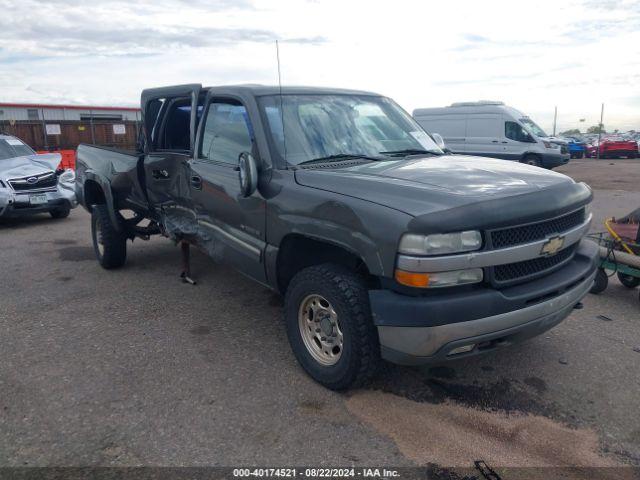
(68, 28)
(573, 54)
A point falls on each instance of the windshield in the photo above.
(533, 127)
(12, 147)
(321, 126)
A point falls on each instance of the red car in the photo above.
(613, 147)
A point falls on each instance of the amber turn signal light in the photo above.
(412, 279)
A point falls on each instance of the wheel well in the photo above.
(530, 154)
(93, 194)
(297, 252)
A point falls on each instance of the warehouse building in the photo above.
(58, 127)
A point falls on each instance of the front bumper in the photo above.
(420, 330)
(17, 204)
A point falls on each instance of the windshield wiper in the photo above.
(340, 157)
(410, 151)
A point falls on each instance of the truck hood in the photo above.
(416, 186)
(28, 165)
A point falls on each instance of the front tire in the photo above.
(601, 282)
(531, 159)
(109, 245)
(329, 326)
(62, 212)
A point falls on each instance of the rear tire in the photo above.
(600, 283)
(329, 326)
(62, 212)
(532, 159)
(109, 245)
(628, 281)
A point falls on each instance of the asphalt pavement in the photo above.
(133, 367)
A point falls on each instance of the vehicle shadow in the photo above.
(29, 221)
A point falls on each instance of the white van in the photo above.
(493, 129)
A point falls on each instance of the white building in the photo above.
(37, 112)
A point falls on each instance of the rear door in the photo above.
(485, 135)
(170, 117)
(232, 227)
(452, 128)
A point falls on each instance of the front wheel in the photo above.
(329, 326)
(532, 160)
(601, 282)
(62, 212)
(109, 244)
(628, 281)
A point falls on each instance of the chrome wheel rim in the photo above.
(320, 329)
(99, 239)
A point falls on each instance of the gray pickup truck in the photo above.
(383, 246)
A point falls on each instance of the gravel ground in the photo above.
(132, 367)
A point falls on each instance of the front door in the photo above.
(516, 140)
(232, 227)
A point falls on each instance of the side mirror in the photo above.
(248, 173)
(439, 140)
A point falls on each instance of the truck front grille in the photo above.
(35, 183)
(520, 271)
(508, 237)
(564, 149)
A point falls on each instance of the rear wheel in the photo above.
(109, 245)
(601, 282)
(628, 281)
(329, 326)
(62, 212)
(532, 159)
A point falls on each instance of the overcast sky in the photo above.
(531, 55)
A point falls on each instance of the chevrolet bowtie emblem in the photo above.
(552, 246)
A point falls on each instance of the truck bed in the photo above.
(114, 170)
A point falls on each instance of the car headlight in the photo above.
(440, 243)
(550, 145)
(68, 176)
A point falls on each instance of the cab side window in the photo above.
(514, 131)
(227, 132)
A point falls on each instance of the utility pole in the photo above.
(555, 117)
(600, 131)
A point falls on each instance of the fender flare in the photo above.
(104, 184)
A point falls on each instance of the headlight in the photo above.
(440, 243)
(68, 176)
(439, 279)
(550, 145)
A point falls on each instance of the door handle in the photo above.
(494, 141)
(196, 181)
(505, 142)
(160, 174)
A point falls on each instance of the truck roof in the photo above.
(261, 90)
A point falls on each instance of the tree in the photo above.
(574, 131)
(596, 129)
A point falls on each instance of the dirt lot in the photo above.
(132, 367)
